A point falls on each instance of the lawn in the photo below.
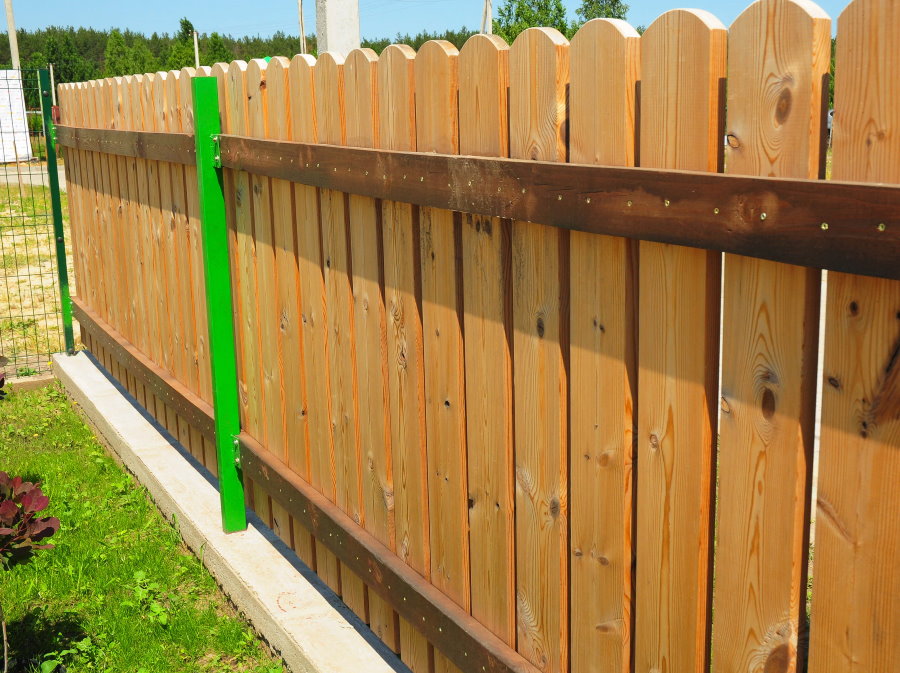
(120, 592)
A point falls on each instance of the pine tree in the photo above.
(116, 56)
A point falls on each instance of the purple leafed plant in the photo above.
(22, 531)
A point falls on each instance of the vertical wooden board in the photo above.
(101, 205)
(402, 294)
(361, 115)
(93, 209)
(313, 325)
(329, 83)
(538, 77)
(138, 171)
(245, 262)
(484, 130)
(287, 302)
(682, 66)
(129, 174)
(856, 589)
(200, 348)
(605, 69)
(437, 130)
(779, 53)
(181, 241)
(169, 308)
(120, 205)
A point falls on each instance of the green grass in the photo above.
(120, 592)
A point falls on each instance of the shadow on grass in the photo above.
(36, 635)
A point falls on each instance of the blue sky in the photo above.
(379, 18)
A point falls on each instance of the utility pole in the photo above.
(196, 51)
(302, 29)
(13, 39)
(487, 18)
(337, 25)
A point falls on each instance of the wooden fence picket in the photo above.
(313, 309)
(856, 586)
(538, 76)
(366, 236)
(605, 69)
(484, 130)
(682, 69)
(340, 349)
(437, 130)
(779, 53)
(406, 377)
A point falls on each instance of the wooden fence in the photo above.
(601, 447)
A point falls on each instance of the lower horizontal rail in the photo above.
(454, 632)
(186, 404)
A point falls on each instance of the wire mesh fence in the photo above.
(30, 320)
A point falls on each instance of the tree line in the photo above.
(80, 54)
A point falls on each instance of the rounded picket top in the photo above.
(234, 102)
(302, 93)
(605, 57)
(396, 95)
(174, 109)
(483, 102)
(329, 75)
(277, 109)
(360, 91)
(257, 94)
(186, 94)
(437, 92)
(538, 74)
(682, 113)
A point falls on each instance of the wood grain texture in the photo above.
(605, 69)
(295, 450)
(682, 65)
(406, 377)
(538, 75)
(361, 115)
(312, 305)
(200, 347)
(437, 130)
(329, 79)
(779, 54)
(856, 587)
(484, 130)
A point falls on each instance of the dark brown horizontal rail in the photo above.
(458, 635)
(173, 147)
(186, 404)
(824, 224)
(851, 227)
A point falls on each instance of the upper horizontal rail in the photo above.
(841, 226)
(174, 147)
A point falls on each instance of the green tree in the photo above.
(216, 51)
(514, 16)
(601, 9)
(181, 53)
(142, 59)
(116, 56)
(69, 64)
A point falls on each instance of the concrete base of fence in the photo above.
(302, 620)
(30, 382)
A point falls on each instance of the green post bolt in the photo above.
(219, 304)
(58, 233)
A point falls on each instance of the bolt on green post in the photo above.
(217, 272)
(59, 235)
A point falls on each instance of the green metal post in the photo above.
(58, 233)
(219, 304)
